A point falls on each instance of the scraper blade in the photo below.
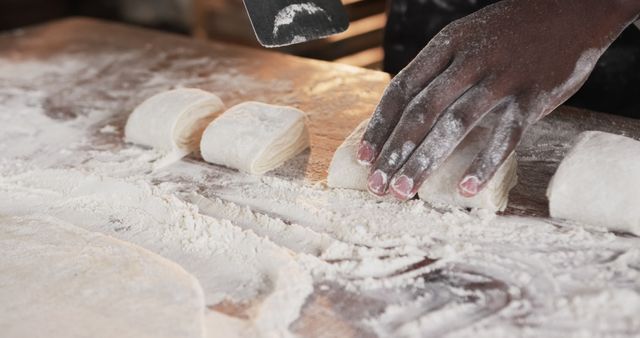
(285, 22)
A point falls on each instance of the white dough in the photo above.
(173, 121)
(255, 137)
(441, 187)
(344, 170)
(598, 182)
(57, 280)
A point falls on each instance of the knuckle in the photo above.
(373, 135)
(423, 107)
(466, 114)
(418, 163)
(416, 113)
(391, 156)
(455, 123)
(392, 160)
(399, 84)
(504, 83)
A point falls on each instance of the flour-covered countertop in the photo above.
(283, 254)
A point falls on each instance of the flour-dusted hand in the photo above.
(516, 60)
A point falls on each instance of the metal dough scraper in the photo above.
(285, 22)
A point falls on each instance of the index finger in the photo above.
(431, 61)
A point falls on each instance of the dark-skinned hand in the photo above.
(516, 60)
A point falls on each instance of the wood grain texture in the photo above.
(336, 97)
(116, 67)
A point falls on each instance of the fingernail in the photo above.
(378, 182)
(365, 153)
(401, 187)
(469, 186)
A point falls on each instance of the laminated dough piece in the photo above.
(62, 281)
(255, 137)
(598, 182)
(173, 121)
(344, 170)
(441, 187)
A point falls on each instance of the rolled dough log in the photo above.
(598, 182)
(173, 120)
(61, 281)
(255, 137)
(441, 187)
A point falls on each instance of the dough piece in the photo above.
(173, 120)
(441, 187)
(344, 170)
(61, 281)
(598, 182)
(255, 137)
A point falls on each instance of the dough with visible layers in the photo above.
(62, 281)
(598, 182)
(255, 137)
(173, 121)
(442, 186)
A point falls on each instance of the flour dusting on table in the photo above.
(280, 257)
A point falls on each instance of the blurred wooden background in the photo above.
(360, 45)
(222, 20)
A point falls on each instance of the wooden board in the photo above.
(111, 68)
(336, 97)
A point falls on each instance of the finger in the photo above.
(417, 120)
(504, 139)
(447, 133)
(432, 61)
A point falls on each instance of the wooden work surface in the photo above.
(336, 97)
(120, 66)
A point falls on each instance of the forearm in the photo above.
(632, 6)
(629, 9)
(605, 19)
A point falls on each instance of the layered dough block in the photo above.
(173, 120)
(344, 170)
(441, 187)
(255, 137)
(598, 182)
(62, 281)
(252, 137)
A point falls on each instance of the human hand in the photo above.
(516, 60)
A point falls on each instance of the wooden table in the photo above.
(121, 65)
(336, 97)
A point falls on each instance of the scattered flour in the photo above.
(274, 254)
(230, 263)
(108, 129)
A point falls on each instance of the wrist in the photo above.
(628, 9)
